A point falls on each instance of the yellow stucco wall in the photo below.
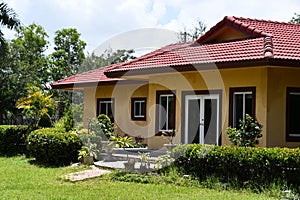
(270, 83)
(279, 79)
(210, 80)
(122, 101)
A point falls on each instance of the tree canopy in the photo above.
(68, 53)
(189, 35)
(8, 19)
(107, 58)
(28, 49)
(296, 19)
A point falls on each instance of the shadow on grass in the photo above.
(42, 164)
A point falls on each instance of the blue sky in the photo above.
(100, 20)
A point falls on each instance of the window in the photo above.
(242, 102)
(292, 114)
(165, 111)
(138, 108)
(106, 106)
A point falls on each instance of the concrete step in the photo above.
(133, 154)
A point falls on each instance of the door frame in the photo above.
(183, 109)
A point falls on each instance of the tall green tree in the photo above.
(189, 35)
(68, 53)
(66, 61)
(9, 89)
(8, 19)
(29, 48)
(296, 19)
(107, 58)
(25, 63)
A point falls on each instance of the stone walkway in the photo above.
(117, 162)
(86, 174)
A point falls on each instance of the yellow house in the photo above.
(200, 88)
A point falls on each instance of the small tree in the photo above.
(36, 104)
(247, 134)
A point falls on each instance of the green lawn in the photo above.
(21, 180)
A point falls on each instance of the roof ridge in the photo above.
(234, 21)
(154, 53)
(263, 20)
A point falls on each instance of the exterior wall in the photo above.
(247, 77)
(90, 100)
(278, 81)
(209, 80)
(121, 94)
(270, 82)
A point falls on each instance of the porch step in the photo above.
(119, 154)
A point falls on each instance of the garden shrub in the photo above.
(258, 166)
(54, 147)
(247, 133)
(92, 143)
(95, 127)
(68, 120)
(13, 139)
(106, 126)
(45, 121)
(65, 123)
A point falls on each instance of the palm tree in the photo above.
(36, 104)
(8, 19)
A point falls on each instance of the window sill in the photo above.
(293, 138)
(138, 118)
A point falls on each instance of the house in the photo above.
(239, 66)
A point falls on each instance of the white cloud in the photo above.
(99, 20)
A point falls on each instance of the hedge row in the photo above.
(13, 139)
(54, 147)
(255, 165)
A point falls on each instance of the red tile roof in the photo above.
(266, 40)
(92, 77)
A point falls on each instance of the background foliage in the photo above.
(13, 139)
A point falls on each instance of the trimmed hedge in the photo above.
(257, 166)
(54, 147)
(13, 139)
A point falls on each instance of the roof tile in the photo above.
(273, 39)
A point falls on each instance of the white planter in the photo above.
(88, 160)
(129, 166)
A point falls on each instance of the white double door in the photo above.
(202, 119)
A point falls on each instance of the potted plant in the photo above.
(85, 156)
(124, 142)
(169, 136)
(92, 145)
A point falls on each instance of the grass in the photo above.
(21, 180)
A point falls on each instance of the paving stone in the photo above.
(86, 174)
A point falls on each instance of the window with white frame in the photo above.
(166, 111)
(292, 114)
(106, 106)
(242, 103)
(138, 108)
